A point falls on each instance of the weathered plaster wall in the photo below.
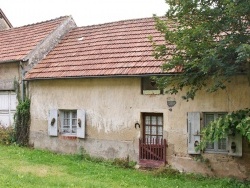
(112, 108)
(3, 24)
(8, 72)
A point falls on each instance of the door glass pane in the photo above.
(147, 130)
(153, 140)
(159, 138)
(160, 120)
(153, 130)
(160, 130)
(153, 118)
(147, 120)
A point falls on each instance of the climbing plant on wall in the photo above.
(230, 124)
(22, 118)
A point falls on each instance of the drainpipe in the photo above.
(22, 72)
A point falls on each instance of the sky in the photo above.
(84, 12)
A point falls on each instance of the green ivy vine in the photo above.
(230, 124)
(22, 121)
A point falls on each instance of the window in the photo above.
(149, 86)
(66, 122)
(69, 122)
(221, 145)
(153, 127)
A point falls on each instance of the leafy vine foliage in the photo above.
(22, 120)
(230, 124)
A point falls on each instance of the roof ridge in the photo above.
(54, 19)
(120, 21)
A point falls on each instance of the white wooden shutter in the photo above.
(80, 123)
(53, 122)
(193, 127)
(235, 145)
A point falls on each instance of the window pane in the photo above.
(209, 118)
(74, 129)
(210, 145)
(66, 115)
(74, 114)
(222, 144)
(73, 122)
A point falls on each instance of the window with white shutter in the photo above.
(70, 123)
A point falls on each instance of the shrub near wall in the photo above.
(6, 135)
(22, 122)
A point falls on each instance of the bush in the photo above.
(123, 162)
(6, 135)
(166, 171)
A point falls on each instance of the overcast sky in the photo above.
(84, 12)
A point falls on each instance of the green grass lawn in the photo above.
(24, 167)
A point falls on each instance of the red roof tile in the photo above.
(118, 48)
(16, 43)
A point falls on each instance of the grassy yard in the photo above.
(23, 167)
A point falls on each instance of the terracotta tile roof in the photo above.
(112, 49)
(16, 43)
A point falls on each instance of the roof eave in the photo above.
(105, 76)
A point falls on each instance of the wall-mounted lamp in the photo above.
(171, 102)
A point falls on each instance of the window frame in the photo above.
(70, 119)
(216, 144)
(148, 89)
(157, 126)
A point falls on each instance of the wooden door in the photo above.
(152, 147)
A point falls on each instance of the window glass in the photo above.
(153, 130)
(147, 129)
(147, 120)
(160, 130)
(149, 86)
(153, 119)
(69, 122)
(160, 120)
(153, 127)
(221, 145)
